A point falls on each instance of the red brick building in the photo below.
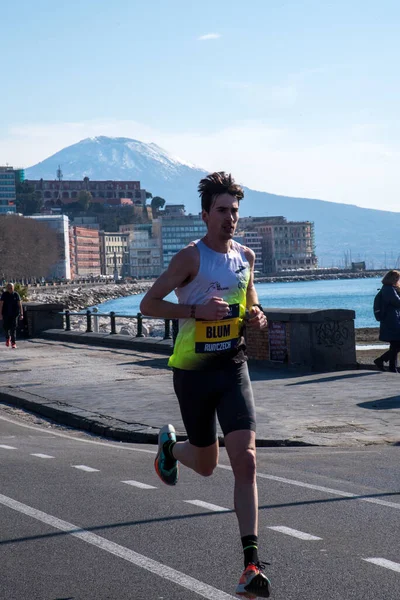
(104, 192)
(85, 252)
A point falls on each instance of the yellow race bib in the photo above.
(218, 336)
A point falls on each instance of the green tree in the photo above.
(157, 203)
(28, 202)
(35, 254)
(84, 200)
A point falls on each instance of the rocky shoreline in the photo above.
(320, 276)
(78, 297)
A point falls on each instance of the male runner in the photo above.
(213, 280)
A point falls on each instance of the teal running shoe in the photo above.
(167, 469)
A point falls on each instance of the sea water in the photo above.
(353, 294)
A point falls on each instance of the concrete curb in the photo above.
(108, 427)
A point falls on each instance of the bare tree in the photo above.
(28, 248)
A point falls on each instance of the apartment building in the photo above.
(60, 223)
(9, 178)
(86, 249)
(175, 232)
(286, 245)
(114, 253)
(144, 255)
(104, 192)
(253, 240)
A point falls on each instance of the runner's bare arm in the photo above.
(257, 318)
(182, 269)
(251, 296)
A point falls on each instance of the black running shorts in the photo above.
(204, 395)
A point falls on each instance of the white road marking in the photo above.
(116, 445)
(295, 533)
(138, 484)
(85, 468)
(7, 447)
(320, 488)
(207, 505)
(185, 581)
(42, 455)
(382, 562)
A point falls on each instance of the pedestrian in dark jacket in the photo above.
(389, 330)
(10, 311)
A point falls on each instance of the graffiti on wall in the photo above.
(332, 334)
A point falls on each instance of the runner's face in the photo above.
(223, 217)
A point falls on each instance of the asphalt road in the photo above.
(78, 521)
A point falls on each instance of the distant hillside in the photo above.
(367, 234)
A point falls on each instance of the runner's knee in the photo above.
(244, 466)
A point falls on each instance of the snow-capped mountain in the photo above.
(367, 233)
(103, 158)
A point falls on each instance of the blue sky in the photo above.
(295, 98)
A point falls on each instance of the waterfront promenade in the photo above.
(127, 394)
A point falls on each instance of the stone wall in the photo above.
(316, 339)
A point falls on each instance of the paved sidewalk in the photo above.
(128, 395)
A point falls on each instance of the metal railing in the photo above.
(92, 322)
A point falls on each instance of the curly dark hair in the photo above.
(215, 184)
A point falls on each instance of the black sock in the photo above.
(250, 549)
(169, 457)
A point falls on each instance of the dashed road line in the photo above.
(42, 455)
(139, 484)
(85, 468)
(115, 446)
(139, 560)
(5, 447)
(383, 562)
(295, 533)
(207, 505)
(320, 488)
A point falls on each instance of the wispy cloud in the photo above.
(209, 36)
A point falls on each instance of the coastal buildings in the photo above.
(175, 232)
(85, 245)
(286, 245)
(9, 178)
(60, 223)
(114, 253)
(103, 192)
(144, 245)
(144, 255)
(252, 240)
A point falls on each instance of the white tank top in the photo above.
(200, 343)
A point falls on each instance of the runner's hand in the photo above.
(215, 310)
(257, 318)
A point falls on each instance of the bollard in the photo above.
(67, 321)
(95, 320)
(167, 330)
(113, 325)
(139, 325)
(88, 321)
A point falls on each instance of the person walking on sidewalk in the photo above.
(10, 310)
(213, 279)
(389, 329)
